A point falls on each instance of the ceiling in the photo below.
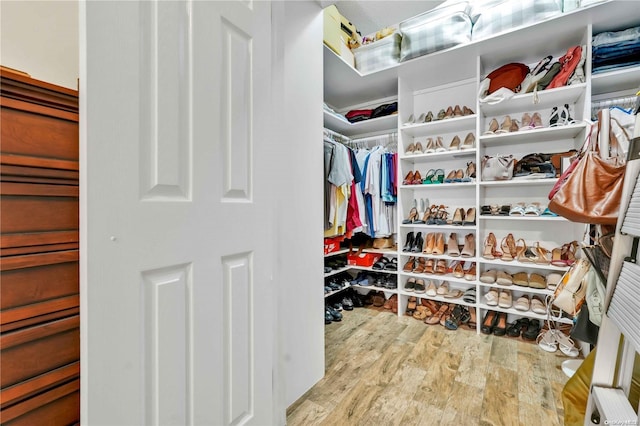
(372, 15)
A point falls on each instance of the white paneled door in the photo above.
(177, 292)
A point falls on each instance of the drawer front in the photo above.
(22, 287)
(32, 351)
(31, 134)
(38, 214)
(57, 406)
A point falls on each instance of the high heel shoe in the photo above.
(438, 247)
(408, 179)
(505, 126)
(441, 114)
(442, 216)
(489, 246)
(493, 127)
(413, 215)
(556, 257)
(469, 217)
(431, 173)
(457, 112)
(526, 122)
(457, 269)
(439, 146)
(470, 173)
(409, 121)
(410, 265)
(469, 141)
(521, 250)
(409, 242)
(419, 268)
(441, 267)
(467, 111)
(429, 267)
(469, 249)
(451, 177)
(428, 117)
(470, 273)
(417, 243)
(417, 179)
(514, 126)
(508, 245)
(429, 243)
(569, 255)
(439, 177)
(418, 148)
(452, 245)
(430, 146)
(449, 113)
(433, 215)
(455, 143)
(543, 255)
(458, 217)
(410, 149)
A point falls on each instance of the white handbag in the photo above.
(498, 167)
(572, 288)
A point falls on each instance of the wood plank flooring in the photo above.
(381, 370)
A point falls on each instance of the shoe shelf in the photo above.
(331, 293)
(440, 256)
(337, 271)
(515, 287)
(524, 218)
(337, 252)
(387, 252)
(519, 182)
(546, 99)
(438, 298)
(386, 124)
(443, 155)
(440, 185)
(517, 264)
(437, 277)
(370, 269)
(529, 314)
(442, 227)
(545, 134)
(447, 125)
(376, 288)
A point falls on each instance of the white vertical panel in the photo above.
(166, 334)
(238, 338)
(165, 138)
(237, 112)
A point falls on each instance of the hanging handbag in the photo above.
(592, 191)
(572, 288)
(498, 167)
(595, 296)
(584, 330)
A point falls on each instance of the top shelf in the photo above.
(345, 86)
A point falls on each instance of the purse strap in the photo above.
(614, 146)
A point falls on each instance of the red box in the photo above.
(363, 259)
(332, 244)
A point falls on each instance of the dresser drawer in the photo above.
(57, 406)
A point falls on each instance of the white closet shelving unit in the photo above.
(452, 77)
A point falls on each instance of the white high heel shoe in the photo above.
(410, 121)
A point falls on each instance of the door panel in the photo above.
(177, 248)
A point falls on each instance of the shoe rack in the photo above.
(452, 77)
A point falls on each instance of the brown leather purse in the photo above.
(592, 192)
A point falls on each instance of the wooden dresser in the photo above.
(39, 288)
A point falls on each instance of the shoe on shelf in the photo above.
(504, 278)
(452, 245)
(536, 121)
(430, 146)
(457, 269)
(457, 112)
(429, 117)
(470, 273)
(467, 111)
(431, 289)
(469, 217)
(422, 263)
(493, 127)
(455, 143)
(458, 216)
(410, 265)
(451, 177)
(417, 243)
(489, 276)
(409, 121)
(420, 286)
(489, 322)
(470, 173)
(408, 179)
(526, 122)
(438, 247)
(417, 178)
(409, 242)
(469, 249)
(413, 215)
(418, 149)
(410, 285)
(439, 146)
(505, 300)
(410, 149)
(505, 126)
(500, 327)
(448, 113)
(429, 243)
(469, 141)
(441, 114)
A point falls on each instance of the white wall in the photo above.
(299, 212)
(41, 39)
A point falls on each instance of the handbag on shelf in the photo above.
(534, 164)
(498, 167)
(591, 189)
(568, 63)
(509, 76)
(383, 243)
(572, 288)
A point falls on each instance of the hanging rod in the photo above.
(624, 102)
(331, 134)
(388, 137)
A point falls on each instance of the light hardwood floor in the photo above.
(381, 370)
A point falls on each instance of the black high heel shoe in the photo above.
(417, 243)
(409, 242)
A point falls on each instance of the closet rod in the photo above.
(332, 134)
(388, 137)
(624, 102)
